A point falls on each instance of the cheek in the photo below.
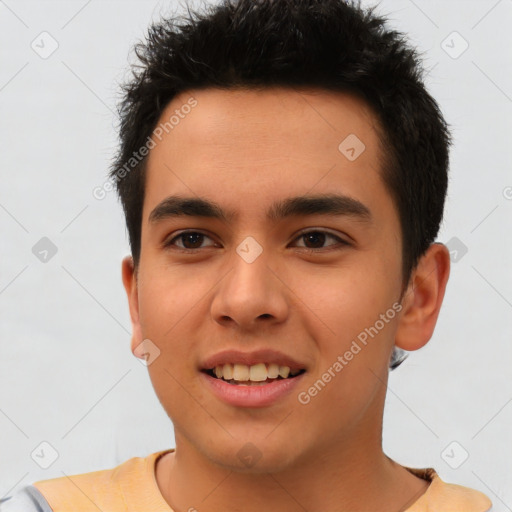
(348, 304)
(167, 302)
(345, 299)
(166, 295)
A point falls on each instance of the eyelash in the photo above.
(341, 243)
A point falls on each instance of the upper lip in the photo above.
(250, 358)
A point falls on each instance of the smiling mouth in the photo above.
(255, 375)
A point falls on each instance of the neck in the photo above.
(336, 475)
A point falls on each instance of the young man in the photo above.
(283, 174)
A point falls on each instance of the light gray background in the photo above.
(68, 377)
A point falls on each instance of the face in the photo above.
(310, 284)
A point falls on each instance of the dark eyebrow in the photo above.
(326, 204)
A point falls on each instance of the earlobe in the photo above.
(130, 285)
(423, 299)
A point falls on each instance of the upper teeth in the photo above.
(257, 372)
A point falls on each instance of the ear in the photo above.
(423, 298)
(130, 285)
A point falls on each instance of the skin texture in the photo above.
(245, 150)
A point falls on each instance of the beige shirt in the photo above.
(132, 487)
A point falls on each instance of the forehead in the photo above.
(241, 146)
(270, 116)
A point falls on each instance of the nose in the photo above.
(251, 293)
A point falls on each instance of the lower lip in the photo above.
(251, 396)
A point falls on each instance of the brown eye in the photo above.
(190, 240)
(315, 239)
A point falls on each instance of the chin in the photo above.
(253, 456)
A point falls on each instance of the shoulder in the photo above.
(442, 495)
(463, 498)
(86, 491)
(26, 499)
(106, 489)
